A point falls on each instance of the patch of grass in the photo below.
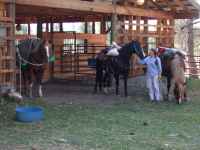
(134, 125)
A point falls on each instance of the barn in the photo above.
(102, 21)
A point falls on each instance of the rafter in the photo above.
(101, 7)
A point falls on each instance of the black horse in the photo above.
(103, 70)
(31, 58)
(120, 65)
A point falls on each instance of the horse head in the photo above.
(40, 51)
(33, 51)
(136, 48)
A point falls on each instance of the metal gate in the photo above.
(193, 65)
(73, 56)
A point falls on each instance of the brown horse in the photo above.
(178, 81)
(32, 56)
(173, 64)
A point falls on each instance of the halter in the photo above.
(136, 50)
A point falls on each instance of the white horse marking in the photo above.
(40, 91)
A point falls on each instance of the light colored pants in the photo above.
(153, 86)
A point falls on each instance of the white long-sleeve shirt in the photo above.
(153, 65)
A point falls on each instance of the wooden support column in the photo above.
(138, 29)
(12, 12)
(29, 29)
(39, 28)
(164, 33)
(85, 40)
(103, 26)
(120, 30)
(190, 44)
(130, 28)
(93, 27)
(158, 39)
(172, 32)
(86, 27)
(113, 27)
(51, 31)
(113, 23)
(61, 26)
(145, 39)
(47, 27)
(52, 41)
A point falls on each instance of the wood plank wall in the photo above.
(7, 58)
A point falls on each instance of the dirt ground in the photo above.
(82, 92)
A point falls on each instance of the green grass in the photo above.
(134, 125)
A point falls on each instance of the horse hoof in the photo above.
(170, 98)
(179, 101)
(105, 90)
(187, 99)
(94, 92)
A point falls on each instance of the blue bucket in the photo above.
(29, 114)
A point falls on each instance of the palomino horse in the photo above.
(120, 65)
(32, 55)
(173, 65)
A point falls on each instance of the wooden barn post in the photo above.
(11, 11)
(61, 26)
(113, 23)
(193, 72)
(39, 28)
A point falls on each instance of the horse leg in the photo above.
(168, 86)
(110, 83)
(125, 86)
(106, 82)
(181, 93)
(30, 83)
(100, 84)
(27, 82)
(95, 86)
(38, 72)
(40, 91)
(117, 84)
(31, 90)
(171, 89)
(24, 87)
(40, 84)
(185, 93)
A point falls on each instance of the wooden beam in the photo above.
(101, 7)
(186, 15)
(180, 3)
(7, 1)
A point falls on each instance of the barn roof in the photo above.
(76, 9)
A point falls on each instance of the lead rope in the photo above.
(20, 77)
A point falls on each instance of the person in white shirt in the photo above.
(154, 71)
